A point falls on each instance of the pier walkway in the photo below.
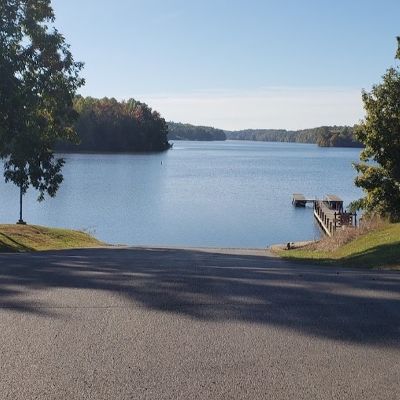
(331, 220)
(329, 212)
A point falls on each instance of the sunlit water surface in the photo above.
(234, 193)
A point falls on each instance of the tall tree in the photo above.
(38, 81)
(379, 169)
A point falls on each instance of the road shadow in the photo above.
(348, 305)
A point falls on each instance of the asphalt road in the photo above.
(194, 324)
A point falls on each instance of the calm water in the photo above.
(231, 193)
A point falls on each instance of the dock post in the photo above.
(335, 221)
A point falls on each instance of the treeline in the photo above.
(178, 131)
(266, 135)
(324, 136)
(107, 125)
(337, 137)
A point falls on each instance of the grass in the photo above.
(22, 238)
(377, 248)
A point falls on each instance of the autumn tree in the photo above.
(379, 169)
(108, 125)
(38, 81)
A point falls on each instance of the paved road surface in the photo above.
(194, 324)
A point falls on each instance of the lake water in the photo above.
(232, 194)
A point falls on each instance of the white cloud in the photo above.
(289, 108)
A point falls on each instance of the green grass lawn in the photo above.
(20, 238)
(376, 249)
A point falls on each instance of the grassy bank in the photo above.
(375, 249)
(19, 238)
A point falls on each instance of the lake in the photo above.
(230, 194)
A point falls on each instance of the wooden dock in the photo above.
(329, 212)
(299, 200)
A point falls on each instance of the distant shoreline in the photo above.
(323, 136)
(90, 152)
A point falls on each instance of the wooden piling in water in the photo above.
(329, 212)
(330, 215)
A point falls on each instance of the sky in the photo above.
(235, 64)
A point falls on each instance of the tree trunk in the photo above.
(21, 221)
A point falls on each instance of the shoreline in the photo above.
(293, 245)
(258, 251)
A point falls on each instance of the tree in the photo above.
(379, 169)
(38, 81)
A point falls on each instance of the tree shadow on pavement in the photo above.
(347, 305)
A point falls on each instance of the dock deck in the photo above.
(299, 200)
(329, 212)
(331, 219)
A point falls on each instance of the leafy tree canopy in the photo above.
(38, 81)
(379, 169)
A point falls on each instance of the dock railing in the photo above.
(331, 220)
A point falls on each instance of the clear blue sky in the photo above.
(235, 63)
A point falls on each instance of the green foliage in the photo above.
(38, 81)
(106, 125)
(263, 135)
(324, 136)
(337, 137)
(379, 169)
(178, 131)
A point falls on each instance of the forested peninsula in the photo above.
(107, 125)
